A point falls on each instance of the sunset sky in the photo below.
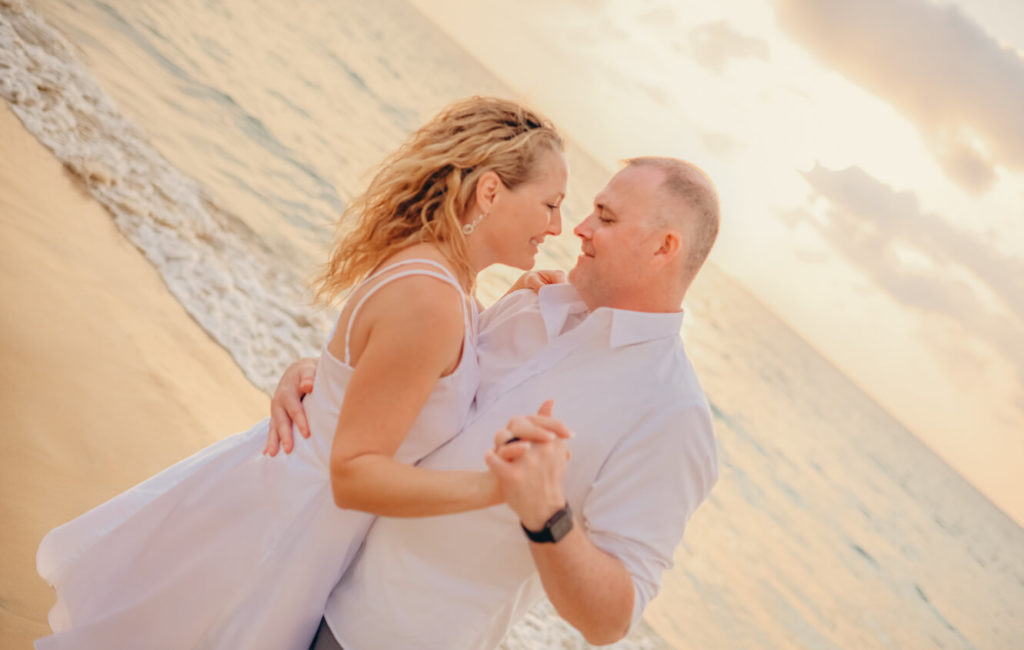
(870, 157)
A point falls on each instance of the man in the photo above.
(594, 533)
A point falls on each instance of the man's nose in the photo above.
(582, 230)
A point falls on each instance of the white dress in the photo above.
(230, 548)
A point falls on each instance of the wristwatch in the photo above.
(555, 528)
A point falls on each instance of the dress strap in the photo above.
(445, 275)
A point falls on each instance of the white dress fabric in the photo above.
(230, 548)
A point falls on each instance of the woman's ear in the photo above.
(487, 190)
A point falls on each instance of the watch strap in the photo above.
(555, 528)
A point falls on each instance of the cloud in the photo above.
(963, 90)
(872, 212)
(871, 225)
(714, 45)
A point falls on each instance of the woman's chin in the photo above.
(525, 263)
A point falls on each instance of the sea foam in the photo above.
(222, 274)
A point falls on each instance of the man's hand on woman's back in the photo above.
(286, 406)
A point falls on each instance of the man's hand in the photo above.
(534, 280)
(588, 587)
(529, 461)
(286, 406)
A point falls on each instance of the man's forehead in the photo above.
(601, 198)
(629, 184)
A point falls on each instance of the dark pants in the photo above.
(324, 640)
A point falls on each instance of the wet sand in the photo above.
(106, 379)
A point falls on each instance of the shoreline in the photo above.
(107, 379)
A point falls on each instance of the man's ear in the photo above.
(670, 243)
(487, 190)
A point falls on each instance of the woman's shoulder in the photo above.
(412, 300)
(419, 284)
(429, 254)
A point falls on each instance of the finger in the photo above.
(501, 437)
(277, 415)
(524, 429)
(557, 427)
(283, 425)
(500, 468)
(284, 432)
(552, 276)
(546, 408)
(298, 418)
(535, 435)
(494, 463)
(513, 451)
(306, 380)
(281, 441)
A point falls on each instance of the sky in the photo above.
(870, 159)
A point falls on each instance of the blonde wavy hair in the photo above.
(421, 192)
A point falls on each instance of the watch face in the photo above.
(561, 525)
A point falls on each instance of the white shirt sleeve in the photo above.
(646, 491)
(503, 307)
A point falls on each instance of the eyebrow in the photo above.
(604, 208)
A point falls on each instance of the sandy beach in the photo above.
(106, 378)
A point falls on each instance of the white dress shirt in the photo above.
(643, 459)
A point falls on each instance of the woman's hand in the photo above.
(534, 280)
(286, 406)
(512, 442)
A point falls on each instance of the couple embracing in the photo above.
(448, 467)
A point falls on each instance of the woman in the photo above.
(229, 549)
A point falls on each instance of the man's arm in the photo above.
(601, 576)
(589, 588)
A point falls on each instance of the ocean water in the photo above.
(225, 137)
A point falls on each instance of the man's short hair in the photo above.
(688, 184)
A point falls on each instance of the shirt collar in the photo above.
(559, 301)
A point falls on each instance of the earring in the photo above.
(468, 228)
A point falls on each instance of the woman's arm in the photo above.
(407, 336)
(534, 280)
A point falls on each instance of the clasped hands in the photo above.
(528, 460)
